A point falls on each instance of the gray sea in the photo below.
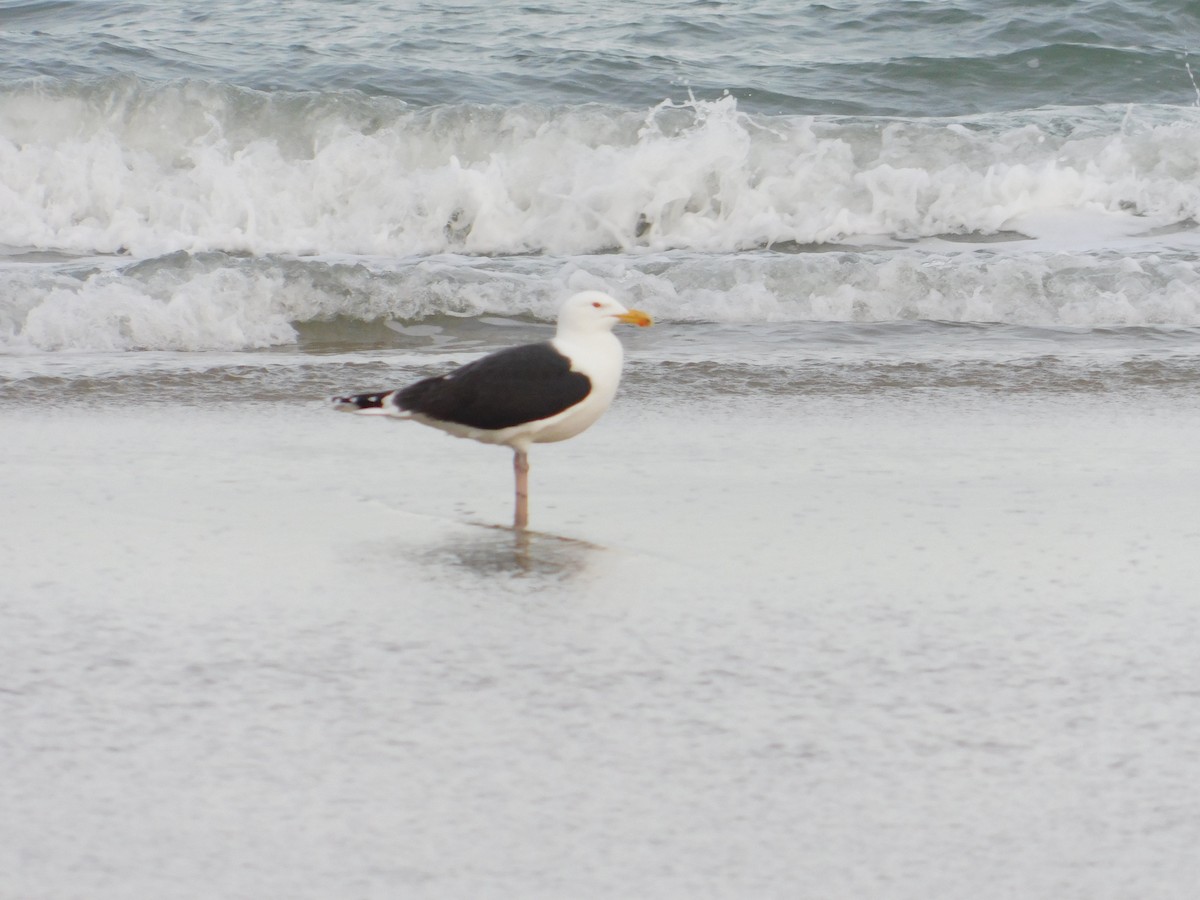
(878, 581)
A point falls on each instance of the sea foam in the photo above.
(123, 166)
(196, 216)
(217, 302)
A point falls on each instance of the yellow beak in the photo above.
(636, 317)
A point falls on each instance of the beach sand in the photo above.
(915, 646)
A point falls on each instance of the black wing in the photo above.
(511, 387)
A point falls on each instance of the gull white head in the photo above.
(592, 311)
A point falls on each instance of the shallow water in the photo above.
(698, 362)
(934, 647)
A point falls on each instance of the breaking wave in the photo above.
(217, 302)
(121, 166)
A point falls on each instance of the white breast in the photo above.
(599, 357)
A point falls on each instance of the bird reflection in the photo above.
(527, 556)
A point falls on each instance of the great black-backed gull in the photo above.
(533, 394)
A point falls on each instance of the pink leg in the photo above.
(521, 470)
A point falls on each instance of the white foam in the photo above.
(215, 302)
(219, 310)
(196, 167)
(340, 205)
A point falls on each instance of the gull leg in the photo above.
(521, 471)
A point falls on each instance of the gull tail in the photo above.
(377, 404)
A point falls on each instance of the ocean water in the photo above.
(375, 178)
(877, 581)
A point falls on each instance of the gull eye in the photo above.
(596, 304)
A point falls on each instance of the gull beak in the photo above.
(635, 317)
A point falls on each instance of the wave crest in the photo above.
(122, 166)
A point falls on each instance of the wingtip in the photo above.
(360, 403)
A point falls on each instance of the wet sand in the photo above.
(941, 646)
